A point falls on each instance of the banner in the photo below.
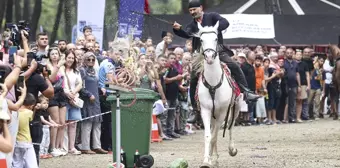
(91, 13)
(74, 34)
(129, 21)
(249, 26)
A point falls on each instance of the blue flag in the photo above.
(129, 21)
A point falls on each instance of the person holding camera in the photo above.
(9, 76)
(37, 80)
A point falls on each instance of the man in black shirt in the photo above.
(292, 77)
(305, 86)
(38, 82)
(249, 72)
(307, 58)
(172, 80)
(210, 19)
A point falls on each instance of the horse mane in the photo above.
(335, 51)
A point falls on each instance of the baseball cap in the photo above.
(241, 54)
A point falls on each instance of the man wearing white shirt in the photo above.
(328, 88)
(162, 47)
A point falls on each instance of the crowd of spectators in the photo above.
(68, 83)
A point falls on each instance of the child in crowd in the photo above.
(36, 126)
(158, 110)
(183, 102)
(42, 115)
(24, 155)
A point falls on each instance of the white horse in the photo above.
(215, 94)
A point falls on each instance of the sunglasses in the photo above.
(90, 60)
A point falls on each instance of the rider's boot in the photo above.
(193, 85)
(237, 74)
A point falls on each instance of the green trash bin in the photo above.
(135, 123)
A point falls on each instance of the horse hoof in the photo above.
(233, 152)
(215, 164)
(205, 166)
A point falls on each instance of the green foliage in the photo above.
(47, 18)
(165, 6)
(49, 12)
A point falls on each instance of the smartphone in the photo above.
(20, 82)
(1, 56)
(12, 50)
(30, 57)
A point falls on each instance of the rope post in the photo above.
(118, 133)
(118, 89)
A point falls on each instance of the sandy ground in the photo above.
(311, 144)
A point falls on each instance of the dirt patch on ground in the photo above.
(311, 144)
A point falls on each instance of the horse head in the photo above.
(334, 52)
(209, 39)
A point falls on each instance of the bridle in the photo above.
(212, 89)
(209, 49)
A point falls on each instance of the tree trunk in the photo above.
(185, 4)
(2, 12)
(27, 13)
(106, 20)
(75, 4)
(68, 19)
(18, 10)
(57, 21)
(35, 18)
(117, 2)
(9, 11)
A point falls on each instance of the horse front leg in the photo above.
(206, 117)
(232, 119)
(215, 125)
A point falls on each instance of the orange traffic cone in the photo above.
(3, 163)
(154, 133)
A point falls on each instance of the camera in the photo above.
(42, 61)
(16, 29)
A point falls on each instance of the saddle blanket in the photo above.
(232, 82)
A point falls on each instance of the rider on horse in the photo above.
(210, 19)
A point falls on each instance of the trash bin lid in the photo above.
(141, 94)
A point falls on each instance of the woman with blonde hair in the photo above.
(150, 79)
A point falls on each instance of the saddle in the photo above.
(231, 81)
